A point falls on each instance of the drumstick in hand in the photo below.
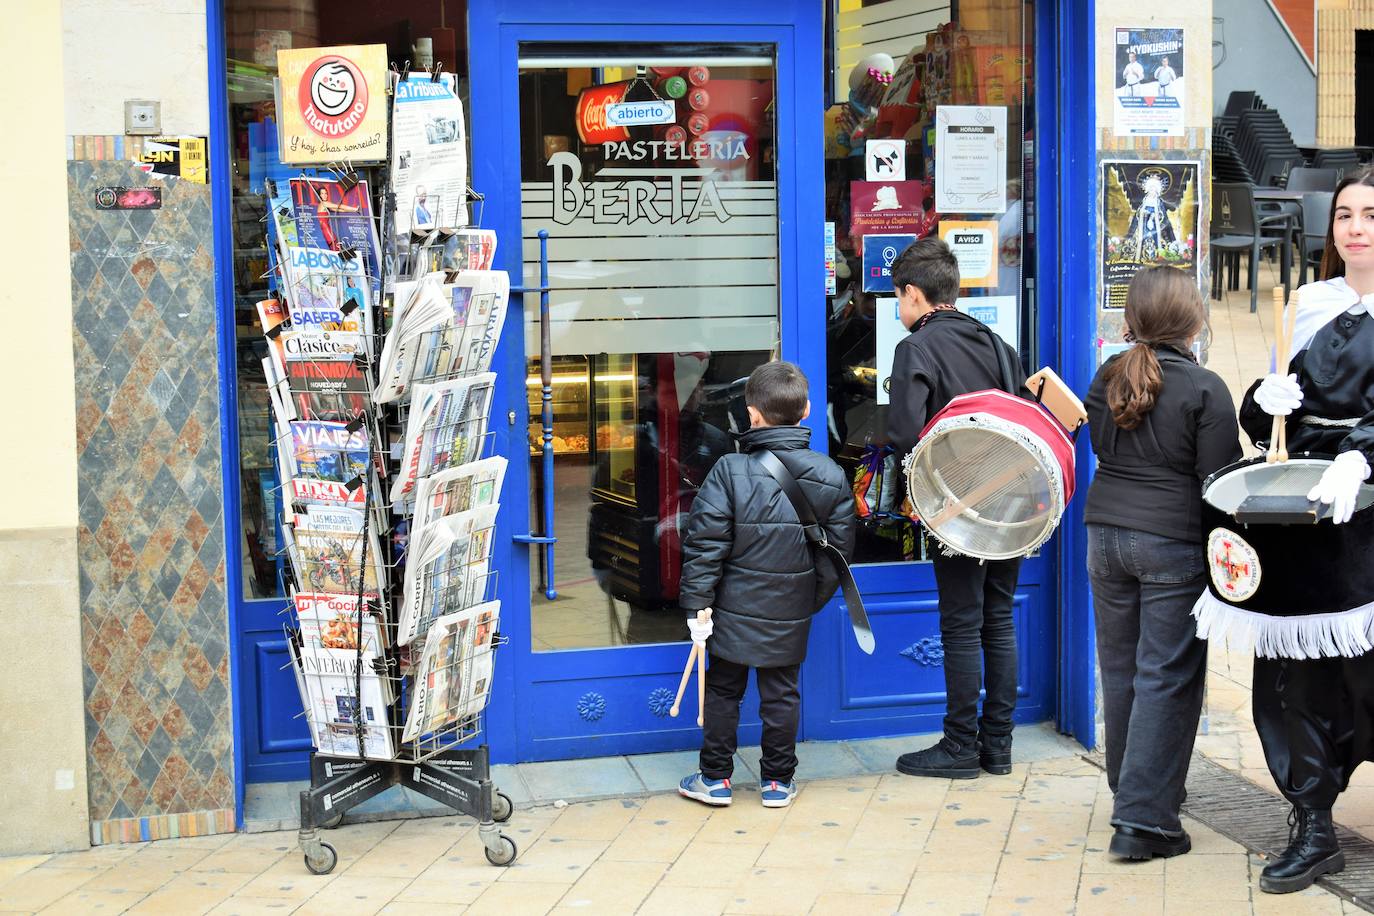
(703, 616)
(682, 685)
(1281, 367)
(1289, 327)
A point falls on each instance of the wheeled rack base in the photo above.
(459, 779)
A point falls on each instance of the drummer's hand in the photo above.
(700, 629)
(1340, 485)
(1279, 395)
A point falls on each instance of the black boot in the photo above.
(1142, 845)
(1312, 851)
(994, 754)
(945, 760)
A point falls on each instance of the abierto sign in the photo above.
(639, 114)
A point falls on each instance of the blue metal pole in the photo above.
(546, 408)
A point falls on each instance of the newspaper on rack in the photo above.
(457, 489)
(429, 167)
(446, 428)
(458, 249)
(448, 568)
(327, 680)
(454, 682)
(442, 329)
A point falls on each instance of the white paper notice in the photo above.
(971, 159)
(975, 248)
(429, 154)
(997, 312)
(890, 332)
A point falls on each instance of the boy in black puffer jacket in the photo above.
(745, 556)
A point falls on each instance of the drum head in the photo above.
(985, 491)
(1230, 487)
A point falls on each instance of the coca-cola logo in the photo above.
(591, 113)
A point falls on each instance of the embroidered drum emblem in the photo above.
(1234, 565)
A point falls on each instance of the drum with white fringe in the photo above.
(991, 474)
(1282, 579)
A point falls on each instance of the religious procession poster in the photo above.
(1147, 100)
(1150, 213)
(333, 104)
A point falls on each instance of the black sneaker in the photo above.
(1139, 845)
(994, 755)
(944, 760)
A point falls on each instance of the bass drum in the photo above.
(991, 474)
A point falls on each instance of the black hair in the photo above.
(779, 391)
(931, 267)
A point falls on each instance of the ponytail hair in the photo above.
(1163, 309)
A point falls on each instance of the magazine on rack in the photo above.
(454, 682)
(448, 568)
(446, 427)
(325, 462)
(331, 622)
(326, 549)
(327, 679)
(429, 156)
(459, 249)
(443, 330)
(317, 213)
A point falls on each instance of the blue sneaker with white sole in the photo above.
(707, 791)
(777, 794)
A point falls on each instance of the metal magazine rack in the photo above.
(388, 494)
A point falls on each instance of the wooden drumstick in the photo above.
(1280, 367)
(1289, 328)
(702, 616)
(977, 495)
(682, 685)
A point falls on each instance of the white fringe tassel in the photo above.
(1346, 633)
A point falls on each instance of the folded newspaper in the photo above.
(454, 681)
(446, 427)
(447, 570)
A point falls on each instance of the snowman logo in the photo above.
(333, 88)
(333, 96)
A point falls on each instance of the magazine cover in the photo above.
(452, 685)
(326, 292)
(329, 561)
(429, 157)
(331, 622)
(329, 218)
(468, 249)
(328, 450)
(324, 381)
(446, 427)
(448, 570)
(333, 104)
(326, 679)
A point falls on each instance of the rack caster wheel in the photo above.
(501, 808)
(333, 822)
(329, 858)
(505, 856)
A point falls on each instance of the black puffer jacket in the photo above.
(745, 554)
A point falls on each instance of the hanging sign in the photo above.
(333, 104)
(638, 114)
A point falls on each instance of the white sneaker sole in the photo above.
(705, 799)
(780, 803)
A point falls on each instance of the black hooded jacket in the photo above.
(745, 555)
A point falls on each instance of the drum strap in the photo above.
(815, 536)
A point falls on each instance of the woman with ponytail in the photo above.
(1160, 425)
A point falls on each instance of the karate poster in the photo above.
(970, 159)
(1150, 215)
(974, 243)
(333, 104)
(1148, 96)
(429, 154)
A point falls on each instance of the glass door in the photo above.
(664, 295)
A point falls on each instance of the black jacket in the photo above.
(1150, 478)
(1336, 373)
(745, 555)
(951, 355)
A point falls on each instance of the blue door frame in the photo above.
(1065, 226)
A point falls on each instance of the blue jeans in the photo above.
(1153, 668)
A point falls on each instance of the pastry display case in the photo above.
(571, 406)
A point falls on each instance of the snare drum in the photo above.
(1282, 579)
(991, 474)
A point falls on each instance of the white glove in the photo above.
(1278, 395)
(1340, 485)
(700, 629)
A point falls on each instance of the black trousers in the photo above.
(779, 708)
(979, 639)
(1315, 719)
